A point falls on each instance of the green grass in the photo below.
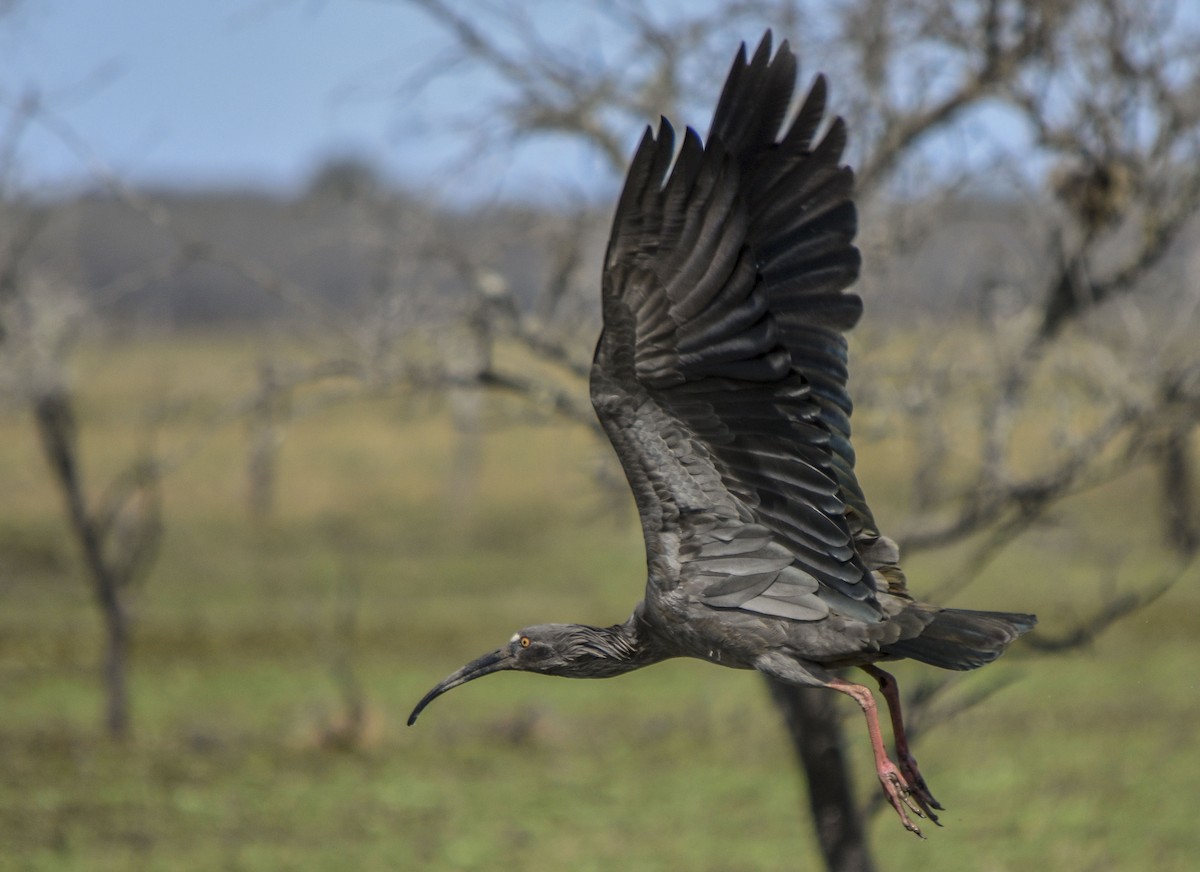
(1084, 762)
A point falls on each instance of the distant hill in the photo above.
(348, 240)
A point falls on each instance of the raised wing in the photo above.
(720, 375)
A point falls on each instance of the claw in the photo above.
(918, 788)
(902, 799)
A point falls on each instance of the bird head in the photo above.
(571, 650)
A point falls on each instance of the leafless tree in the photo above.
(119, 531)
(42, 317)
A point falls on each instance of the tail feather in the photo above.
(963, 639)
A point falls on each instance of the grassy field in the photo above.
(1084, 762)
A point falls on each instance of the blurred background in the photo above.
(297, 301)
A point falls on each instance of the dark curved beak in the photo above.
(485, 665)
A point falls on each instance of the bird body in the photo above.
(720, 379)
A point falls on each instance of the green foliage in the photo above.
(242, 756)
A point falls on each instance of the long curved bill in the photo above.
(485, 665)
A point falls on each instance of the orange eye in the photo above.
(524, 642)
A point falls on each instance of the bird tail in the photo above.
(963, 639)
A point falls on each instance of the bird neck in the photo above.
(618, 649)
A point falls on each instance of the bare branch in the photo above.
(1106, 615)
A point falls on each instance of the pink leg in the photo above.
(894, 785)
(908, 763)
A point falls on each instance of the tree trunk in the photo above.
(263, 452)
(816, 734)
(1179, 493)
(116, 659)
(57, 429)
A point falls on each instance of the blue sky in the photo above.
(202, 93)
(231, 92)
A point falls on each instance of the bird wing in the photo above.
(720, 374)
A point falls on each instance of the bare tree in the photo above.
(118, 532)
(42, 315)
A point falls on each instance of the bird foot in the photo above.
(900, 795)
(917, 787)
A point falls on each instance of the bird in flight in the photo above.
(720, 379)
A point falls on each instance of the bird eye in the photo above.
(524, 642)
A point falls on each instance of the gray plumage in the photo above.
(720, 379)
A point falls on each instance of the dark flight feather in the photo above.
(724, 304)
